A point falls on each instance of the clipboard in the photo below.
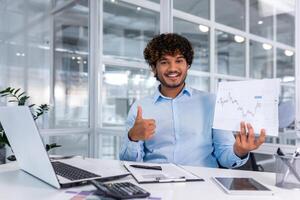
(169, 173)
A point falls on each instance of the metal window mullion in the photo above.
(73, 131)
(122, 63)
(94, 46)
(118, 132)
(117, 146)
(212, 48)
(291, 85)
(190, 18)
(247, 75)
(247, 40)
(283, 46)
(166, 16)
(297, 67)
(144, 4)
(275, 61)
(52, 71)
(247, 16)
(229, 77)
(274, 44)
(63, 6)
(122, 59)
(25, 50)
(100, 81)
(199, 73)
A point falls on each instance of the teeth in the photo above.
(172, 75)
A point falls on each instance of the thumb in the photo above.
(139, 113)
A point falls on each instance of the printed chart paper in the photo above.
(254, 102)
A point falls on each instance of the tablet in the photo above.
(242, 186)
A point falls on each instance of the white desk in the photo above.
(16, 184)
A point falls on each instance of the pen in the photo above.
(165, 180)
(289, 165)
(295, 154)
(146, 167)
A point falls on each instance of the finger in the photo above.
(243, 133)
(151, 126)
(243, 128)
(149, 121)
(251, 135)
(238, 138)
(262, 137)
(139, 113)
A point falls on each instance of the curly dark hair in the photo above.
(168, 44)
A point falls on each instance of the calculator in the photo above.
(122, 190)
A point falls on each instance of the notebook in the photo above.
(159, 173)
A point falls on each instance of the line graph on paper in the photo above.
(235, 103)
(254, 102)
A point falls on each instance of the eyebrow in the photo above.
(177, 57)
(161, 59)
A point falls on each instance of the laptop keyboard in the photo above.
(70, 172)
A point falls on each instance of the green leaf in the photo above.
(17, 91)
(23, 100)
(5, 90)
(21, 94)
(52, 146)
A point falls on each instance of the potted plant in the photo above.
(20, 98)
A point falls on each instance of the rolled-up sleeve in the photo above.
(130, 150)
(223, 149)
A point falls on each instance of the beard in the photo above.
(171, 85)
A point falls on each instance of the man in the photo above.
(175, 124)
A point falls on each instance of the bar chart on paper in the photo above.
(254, 102)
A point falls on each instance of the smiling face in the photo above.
(171, 71)
(170, 56)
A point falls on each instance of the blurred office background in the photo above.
(85, 59)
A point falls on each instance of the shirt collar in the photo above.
(158, 95)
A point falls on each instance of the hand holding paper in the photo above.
(246, 142)
(254, 102)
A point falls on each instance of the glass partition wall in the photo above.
(85, 59)
(233, 40)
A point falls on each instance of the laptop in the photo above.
(32, 157)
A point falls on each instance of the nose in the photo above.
(173, 66)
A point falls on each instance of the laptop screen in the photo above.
(26, 143)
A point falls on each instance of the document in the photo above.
(159, 173)
(254, 101)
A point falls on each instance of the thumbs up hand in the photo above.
(143, 129)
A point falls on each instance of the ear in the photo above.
(153, 69)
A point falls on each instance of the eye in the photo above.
(179, 61)
(163, 62)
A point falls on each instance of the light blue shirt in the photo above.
(183, 134)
